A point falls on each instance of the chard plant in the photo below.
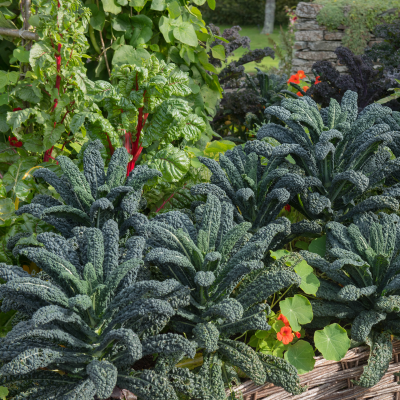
(54, 89)
(146, 108)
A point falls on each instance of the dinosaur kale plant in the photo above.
(212, 257)
(90, 198)
(342, 157)
(91, 315)
(362, 78)
(341, 160)
(257, 191)
(362, 284)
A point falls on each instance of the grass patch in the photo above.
(257, 41)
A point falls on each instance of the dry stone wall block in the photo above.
(333, 35)
(300, 45)
(309, 36)
(316, 55)
(307, 10)
(324, 46)
(308, 25)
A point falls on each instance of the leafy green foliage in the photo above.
(3, 392)
(91, 313)
(318, 246)
(301, 356)
(332, 342)
(90, 198)
(360, 19)
(55, 89)
(240, 110)
(212, 257)
(360, 284)
(146, 107)
(341, 156)
(387, 50)
(309, 282)
(174, 31)
(297, 310)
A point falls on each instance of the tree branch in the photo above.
(19, 33)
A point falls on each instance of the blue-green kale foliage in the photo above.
(211, 257)
(343, 157)
(92, 197)
(362, 284)
(91, 313)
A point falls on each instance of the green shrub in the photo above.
(360, 18)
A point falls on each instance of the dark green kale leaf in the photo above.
(93, 197)
(362, 284)
(211, 257)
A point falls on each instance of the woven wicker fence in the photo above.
(331, 380)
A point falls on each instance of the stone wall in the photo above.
(315, 42)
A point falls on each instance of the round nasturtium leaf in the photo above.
(301, 356)
(297, 310)
(332, 342)
(309, 282)
(318, 246)
(3, 392)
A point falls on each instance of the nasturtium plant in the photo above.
(297, 310)
(3, 393)
(282, 341)
(309, 281)
(301, 355)
(318, 246)
(332, 342)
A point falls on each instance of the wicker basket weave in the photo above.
(331, 380)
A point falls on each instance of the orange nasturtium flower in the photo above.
(317, 80)
(305, 88)
(285, 335)
(298, 335)
(295, 79)
(283, 319)
(301, 74)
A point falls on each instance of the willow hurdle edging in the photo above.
(331, 380)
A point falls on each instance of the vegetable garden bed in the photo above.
(333, 380)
